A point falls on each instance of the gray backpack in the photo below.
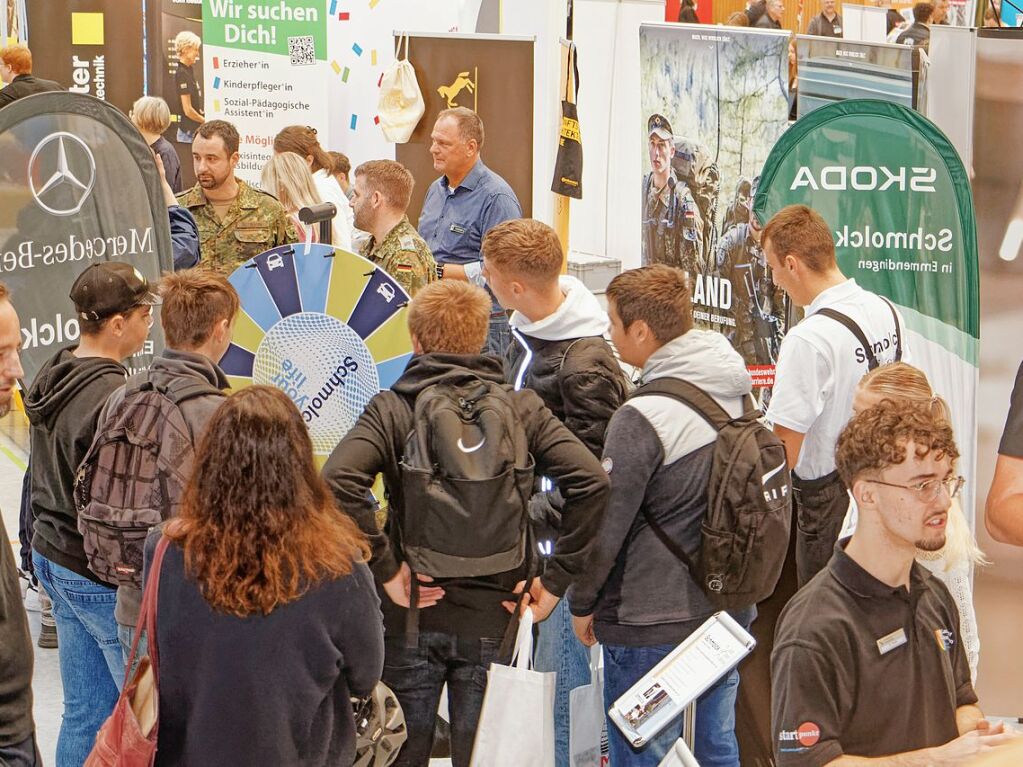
(466, 480)
(134, 474)
(749, 503)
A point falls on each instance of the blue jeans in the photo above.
(417, 675)
(714, 742)
(499, 335)
(91, 667)
(558, 650)
(185, 137)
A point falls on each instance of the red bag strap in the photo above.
(147, 614)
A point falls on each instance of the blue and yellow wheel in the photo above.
(326, 326)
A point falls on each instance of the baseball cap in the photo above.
(659, 126)
(109, 288)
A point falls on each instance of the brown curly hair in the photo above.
(257, 523)
(877, 438)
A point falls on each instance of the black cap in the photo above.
(108, 288)
(658, 125)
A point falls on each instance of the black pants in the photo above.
(24, 754)
(820, 505)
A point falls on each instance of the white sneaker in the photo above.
(31, 596)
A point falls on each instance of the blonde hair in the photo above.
(185, 40)
(901, 381)
(450, 317)
(151, 114)
(287, 176)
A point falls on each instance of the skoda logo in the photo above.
(74, 172)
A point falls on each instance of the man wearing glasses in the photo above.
(868, 666)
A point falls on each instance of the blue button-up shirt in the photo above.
(454, 221)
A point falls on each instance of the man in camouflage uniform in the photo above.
(672, 226)
(757, 305)
(382, 191)
(236, 221)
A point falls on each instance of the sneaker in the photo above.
(48, 636)
(30, 594)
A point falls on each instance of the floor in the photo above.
(998, 589)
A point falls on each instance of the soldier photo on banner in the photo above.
(708, 135)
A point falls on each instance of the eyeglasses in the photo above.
(928, 491)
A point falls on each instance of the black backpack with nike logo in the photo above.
(467, 476)
(749, 502)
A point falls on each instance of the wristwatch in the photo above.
(440, 271)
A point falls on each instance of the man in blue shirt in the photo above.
(465, 203)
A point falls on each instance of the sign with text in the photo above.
(78, 185)
(91, 47)
(898, 200)
(264, 68)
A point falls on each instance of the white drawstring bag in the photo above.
(587, 725)
(516, 724)
(401, 105)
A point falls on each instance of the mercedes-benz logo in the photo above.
(78, 189)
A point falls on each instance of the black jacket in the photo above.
(565, 359)
(63, 405)
(26, 85)
(375, 445)
(917, 34)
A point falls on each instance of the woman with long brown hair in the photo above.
(268, 620)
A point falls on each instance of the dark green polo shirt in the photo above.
(864, 669)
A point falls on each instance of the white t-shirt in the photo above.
(819, 366)
(330, 191)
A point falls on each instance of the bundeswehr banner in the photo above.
(78, 185)
(898, 199)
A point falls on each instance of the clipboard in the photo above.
(688, 671)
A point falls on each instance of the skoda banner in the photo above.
(899, 203)
(78, 185)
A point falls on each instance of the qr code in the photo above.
(302, 51)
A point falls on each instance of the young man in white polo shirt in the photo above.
(846, 331)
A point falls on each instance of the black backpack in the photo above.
(467, 475)
(746, 531)
(134, 474)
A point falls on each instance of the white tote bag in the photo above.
(401, 104)
(516, 725)
(587, 730)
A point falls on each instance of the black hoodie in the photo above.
(62, 407)
(375, 445)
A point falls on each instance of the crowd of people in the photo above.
(520, 471)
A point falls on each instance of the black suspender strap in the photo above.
(898, 329)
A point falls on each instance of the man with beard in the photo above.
(17, 730)
(236, 221)
(671, 220)
(383, 189)
(867, 667)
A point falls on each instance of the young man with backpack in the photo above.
(134, 474)
(114, 307)
(559, 352)
(642, 593)
(459, 450)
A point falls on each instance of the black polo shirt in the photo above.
(864, 669)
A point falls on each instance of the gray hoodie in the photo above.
(658, 454)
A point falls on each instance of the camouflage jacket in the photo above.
(672, 226)
(255, 222)
(405, 256)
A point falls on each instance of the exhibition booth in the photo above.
(881, 139)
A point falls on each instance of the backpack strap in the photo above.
(855, 329)
(688, 394)
(177, 392)
(898, 329)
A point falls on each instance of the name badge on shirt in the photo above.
(458, 229)
(891, 641)
(838, 30)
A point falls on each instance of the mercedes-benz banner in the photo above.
(78, 185)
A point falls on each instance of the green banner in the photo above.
(898, 200)
(295, 28)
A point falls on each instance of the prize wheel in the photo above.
(325, 326)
